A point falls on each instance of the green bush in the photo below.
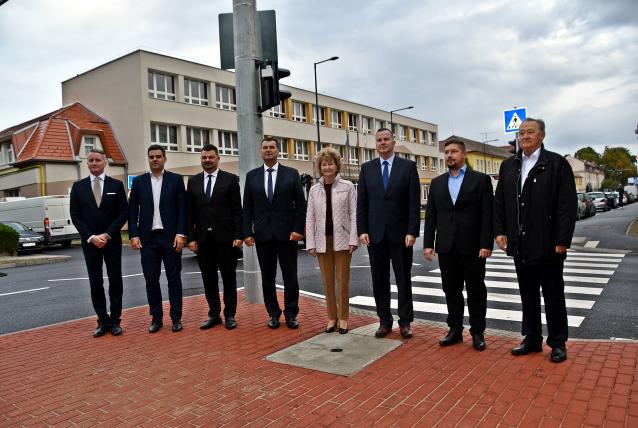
(8, 240)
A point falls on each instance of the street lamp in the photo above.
(392, 111)
(317, 114)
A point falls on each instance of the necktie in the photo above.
(97, 191)
(209, 186)
(270, 170)
(386, 175)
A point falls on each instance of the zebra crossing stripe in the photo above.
(510, 261)
(570, 258)
(593, 291)
(496, 297)
(438, 308)
(568, 270)
(588, 279)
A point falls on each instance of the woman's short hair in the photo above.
(328, 154)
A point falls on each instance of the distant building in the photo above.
(586, 173)
(152, 98)
(45, 155)
(480, 156)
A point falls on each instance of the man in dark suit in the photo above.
(157, 227)
(388, 223)
(274, 220)
(214, 233)
(98, 211)
(534, 219)
(459, 213)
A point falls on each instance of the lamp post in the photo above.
(392, 112)
(317, 115)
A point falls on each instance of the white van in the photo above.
(47, 215)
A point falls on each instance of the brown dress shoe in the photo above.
(383, 331)
(405, 331)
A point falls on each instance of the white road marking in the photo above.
(438, 308)
(24, 291)
(568, 270)
(578, 239)
(510, 261)
(565, 277)
(570, 258)
(591, 244)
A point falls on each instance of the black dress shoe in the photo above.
(382, 331)
(273, 322)
(454, 336)
(559, 354)
(210, 322)
(478, 342)
(230, 323)
(155, 326)
(527, 346)
(116, 329)
(100, 330)
(177, 326)
(405, 331)
(292, 323)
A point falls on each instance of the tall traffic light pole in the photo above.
(250, 129)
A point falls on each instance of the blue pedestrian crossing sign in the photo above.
(514, 118)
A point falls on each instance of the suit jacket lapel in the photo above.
(218, 183)
(378, 174)
(280, 177)
(164, 187)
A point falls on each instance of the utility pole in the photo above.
(250, 129)
(485, 141)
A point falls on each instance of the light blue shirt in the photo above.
(454, 183)
(389, 160)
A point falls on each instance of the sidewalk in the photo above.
(7, 262)
(60, 375)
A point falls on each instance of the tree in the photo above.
(609, 184)
(618, 164)
(588, 154)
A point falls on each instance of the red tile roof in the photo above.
(57, 136)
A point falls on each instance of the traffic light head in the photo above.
(513, 143)
(271, 95)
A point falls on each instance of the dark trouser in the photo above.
(286, 251)
(158, 249)
(380, 256)
(457, 269)
(212, 255)
(550, 277)
(112, 256)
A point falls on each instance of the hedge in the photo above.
(8, 240)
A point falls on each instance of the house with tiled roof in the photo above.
(45, 155)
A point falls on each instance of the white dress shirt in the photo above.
(274, 177)
(156, 185)
(213, 180)
(390, 160)
(528, 164)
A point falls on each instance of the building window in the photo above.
(425, 191)
(424, 165)
(322, 115)
(441, 165)
(368, 155)
(366, 125)
(433, 138)
(401, 132)
(299, 111)
(12, 193)
(90, 142)
(318, 147)
(278, 111)
(161, 86)
(225, 98)
(353, 156)
(195, 92)
(2, 162)
(380, 124)
(413, 135)
(335, 118)
(301, 150)
(433, 164)
(282, 143)
(352, 122)
(228, 143)
(10, 155)
(422, 139)
(165, 136)
(196, 138)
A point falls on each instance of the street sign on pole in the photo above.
(514, 118)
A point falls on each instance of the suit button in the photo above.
(522, 204)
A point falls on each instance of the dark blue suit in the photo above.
(271, 225)
(109, 217)
(387, 216)
(157, 245)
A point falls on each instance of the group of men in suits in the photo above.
(533, 223)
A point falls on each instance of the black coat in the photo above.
(395, 211)
(466, 226)
(544, 214)
(287, 213)
(222, 214)
(109, 218)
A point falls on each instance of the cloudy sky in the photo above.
(460, 64)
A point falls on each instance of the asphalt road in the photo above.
(46, 294)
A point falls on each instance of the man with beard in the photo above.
(214, 233)
(459, 214)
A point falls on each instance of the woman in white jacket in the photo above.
(331, 234)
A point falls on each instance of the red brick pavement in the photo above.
(60, 375)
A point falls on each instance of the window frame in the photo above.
(336, 113)
(322, 115)
(204, 138)
(153, 92)
(278, 112)
(229, 104)
(352, 122)
(302, 117)
(225, 145)
(168, 146)
(189, 98)
(302, 150)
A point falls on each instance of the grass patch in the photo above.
(633, 229)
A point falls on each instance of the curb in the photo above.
(13, 262)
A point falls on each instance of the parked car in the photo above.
(600, 201)
(29, 240)
(589, 209)
(612, 199)
(581, 209)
